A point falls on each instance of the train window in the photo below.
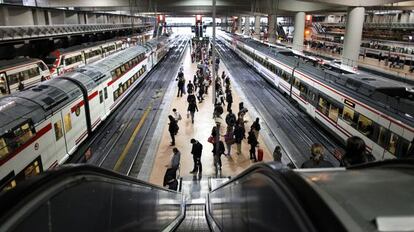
(121, 89)
(42, 66)
(126, 66)
(113, 74)
(115, 95)
(68, 122)
(24, 133)
(333, 113)
(303, 89)
(118, 72)
(365, 125)
(58, 130)
(402, 147)
(125, 86)
(13, 78)
(4, 149)
(348, 114)
(323, 105)
(3, 83)
(105, 93)
(100, 97)
(383, 137)
(392, 146)
(123, 69)
(131, 64)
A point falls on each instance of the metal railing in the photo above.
(9, 33)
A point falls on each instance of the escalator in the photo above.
(265, 197)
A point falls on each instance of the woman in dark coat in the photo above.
(172, 128)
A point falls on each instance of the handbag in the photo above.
(210, 139)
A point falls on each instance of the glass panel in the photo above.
(68, 122)
(333, 113)
(24, 134)
(323, 105)
(348, 115)
(100, 97)
(393, 143)
(3, 84)
(4, 149)
(106, 93)
(58, 130)
(382, 138)
(365, 125)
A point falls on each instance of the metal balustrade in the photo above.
(10, 33)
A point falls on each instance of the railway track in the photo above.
(295, 130)
(116, 145)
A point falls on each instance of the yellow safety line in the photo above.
(121, 158)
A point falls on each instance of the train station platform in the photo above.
(200, 130)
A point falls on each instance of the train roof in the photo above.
(36, 103)
(85, 46)
(382, 94)
(154, 42)
(364, 196)
(5, 64)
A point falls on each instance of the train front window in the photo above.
(23, 134)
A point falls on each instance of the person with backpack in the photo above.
(252, 141)
(190, 87)
(230, 118)
(170, 177)
(256, 128)
(238, 136)
(192, 107)
(229, 99)
(229, 139)
(172, 128)
(218, 150)
(196, 150)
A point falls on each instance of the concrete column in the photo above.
(299, 32)
(271, 28)
(257, 27)
(247, 25)
(353, 36)
(239, 24)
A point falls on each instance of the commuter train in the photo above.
(65, 60)
(378, 110)
(26, 71)
(42, 126)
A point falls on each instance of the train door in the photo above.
(59, 137)
(4, 88)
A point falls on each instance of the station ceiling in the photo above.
(225, 7)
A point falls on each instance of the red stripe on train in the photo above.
(38, 134)
(81, 103)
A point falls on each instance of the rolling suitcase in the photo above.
(260, 154)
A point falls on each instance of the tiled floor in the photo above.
(200, 130)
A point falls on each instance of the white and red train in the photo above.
(377, 110)
(21, 71)
(42, 126)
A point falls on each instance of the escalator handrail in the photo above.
(12, 199)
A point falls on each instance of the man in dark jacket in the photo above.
(196, 150)
(231, 119)
(218, 150)
(229, 99)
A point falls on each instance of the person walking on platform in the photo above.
(195, 83)
(176, 115)
(230, 118)
(200, 93)
(206, 84)
(238, 137)
(316, 160)
(229, 139)
(196, 150)
(170, 176)
(229, 99)
(181, 83)
(277, 154)
(252, 140)
(256, 127)
(190, 87)
(192, 107)
(172, 128)
(218, 150)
